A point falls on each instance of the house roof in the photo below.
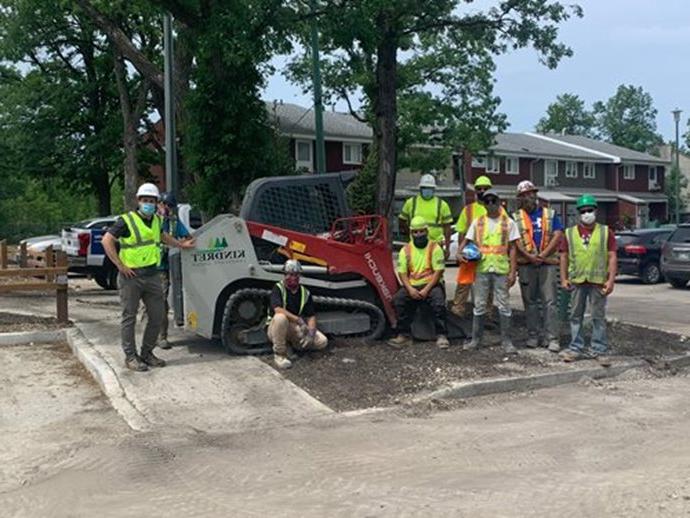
(295, 120)
(526, 144)
(625, 154)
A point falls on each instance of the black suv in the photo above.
(639, 253)
(675, 257)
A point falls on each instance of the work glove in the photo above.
(308, 339)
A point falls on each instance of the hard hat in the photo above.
(471, 252)
(148, 189)
(169, 199)
(292, 266)
(526, 186)
(586, 200)
(490, 193)
(418, 223)
(427, 180)
(483, 181)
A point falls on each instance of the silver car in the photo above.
(675, 257)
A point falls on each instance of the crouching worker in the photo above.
(292, 322)
(420, 265)
(496, 235)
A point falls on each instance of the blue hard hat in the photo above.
(471, 252)
(169, 199)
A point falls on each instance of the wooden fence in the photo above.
(51, 277)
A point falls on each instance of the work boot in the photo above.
(477, 333)
(570, 356)
(152, 360)
(399, 341)
(281, 361)
(554, 345)
(604, 360)
(164, 344)
(532, 342)
(458, 310)
(134, 363)
(506, 341)
(291, 354)
(442, 342)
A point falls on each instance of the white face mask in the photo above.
(588, 218)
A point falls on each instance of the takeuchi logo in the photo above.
(217, 243)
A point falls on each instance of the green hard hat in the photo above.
(483, 181)
(418, 223)
(586, 200)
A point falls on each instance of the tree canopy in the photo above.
(568, 115)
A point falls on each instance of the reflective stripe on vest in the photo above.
(590, 263)
(494, 246)
(524, 223)
(425, 275)
(142, 247)
(304, 296)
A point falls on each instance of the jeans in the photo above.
(581, 293)
(538, 286)
(406, 308)
(486, 284)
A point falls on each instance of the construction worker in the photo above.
(420, 266)
(292, 318)
(167, 210)
(496, 235)
(434, 210)
(541, 232)
(588, 269)
(466, 271)
(140, 234)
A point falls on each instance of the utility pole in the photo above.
(169, 119)
(676, 186)
(318, 101)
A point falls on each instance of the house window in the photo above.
(303, 155)
(512, 165)
(629, 172)
(479, 162)
(588, 171)
(352, 153)
(550, 173)
(493, 164)
(653, 178)
(571, 169)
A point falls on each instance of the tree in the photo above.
(628, 119)
(568, 115)
(427, 57)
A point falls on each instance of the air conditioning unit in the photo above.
(654, 186)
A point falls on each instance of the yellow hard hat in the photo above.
(483, 181)
(418, 223)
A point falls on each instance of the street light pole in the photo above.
(318, 100)
(169, 117)
(676, 186)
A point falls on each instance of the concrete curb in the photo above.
(107, 379)
(37, 337)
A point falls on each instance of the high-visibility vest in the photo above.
(304, 296)
(588, 263)
(524, 224)
(493, 245)
(433, 220)
(142, 247)
(423, 275)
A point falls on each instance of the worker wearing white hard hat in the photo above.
(139, 234)
(434, 210)
(541, 232)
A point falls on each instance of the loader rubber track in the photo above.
(377, 317)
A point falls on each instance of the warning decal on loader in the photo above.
(274, 238)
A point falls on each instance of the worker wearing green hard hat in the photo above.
(588, 270)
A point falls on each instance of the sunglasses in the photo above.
(419, 232)
(492, 201)
(586, 211)
(481, 189)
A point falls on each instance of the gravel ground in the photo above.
(12, 323)
(353, 375)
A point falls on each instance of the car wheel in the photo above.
(677, 283)
(651, 274)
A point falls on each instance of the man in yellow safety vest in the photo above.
(495, 234)
(540, 237)
(420, 267)
(140, 235)
(588, 268)
(434, 211)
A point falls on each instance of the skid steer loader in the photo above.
(221, 289)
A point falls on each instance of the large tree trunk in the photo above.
(386, 111)
(101, 186)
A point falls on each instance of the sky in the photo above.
(640, 42)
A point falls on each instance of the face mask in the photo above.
(427, 193)
(420, 241)
(529, 203)
(588, 218)
(147, 209)
(480, 196)
(292, 283)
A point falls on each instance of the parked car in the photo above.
(639, 253)
(675, 257)
(36, 247)
(85, 254)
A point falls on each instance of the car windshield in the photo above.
(626, 239)
(682, 235)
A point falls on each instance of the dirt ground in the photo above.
(11, 323)
(352, 375)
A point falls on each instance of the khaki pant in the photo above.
(146, 288)
(539, 296)
(282, 333)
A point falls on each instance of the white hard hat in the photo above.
(526, 186)
(148, 189)
(292, 266)
(427, 180)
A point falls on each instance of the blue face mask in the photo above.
(427, 193)
(147, 209)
